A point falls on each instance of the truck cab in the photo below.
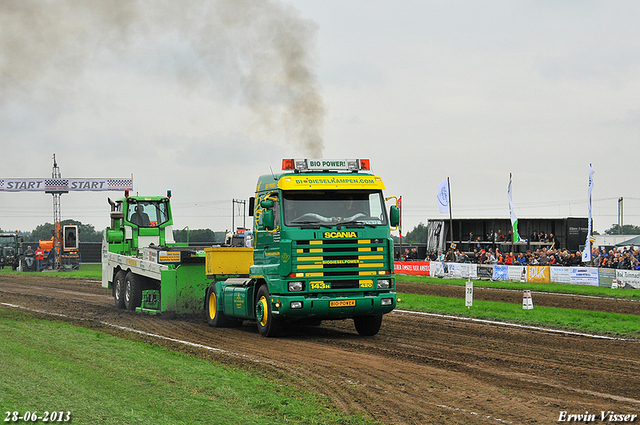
(322, 248)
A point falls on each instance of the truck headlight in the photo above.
(296, 286)
(384, 283)
(296, 304)
(386, 301)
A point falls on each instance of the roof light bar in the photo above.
(326, 164)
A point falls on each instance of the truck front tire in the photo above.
(368, 325)
(118, 288)
(268, 326)
(132, 291)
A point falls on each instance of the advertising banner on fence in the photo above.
(500, 272)
(606, 277)
(538, 274)
(517, 274)
(560, 274)
(628, 279)
(462, 270)
(412, 267)
(437, 269)
(584, 276)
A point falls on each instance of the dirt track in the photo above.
(417, 370)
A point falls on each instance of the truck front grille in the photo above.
(337, 262)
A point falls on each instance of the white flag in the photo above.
(586, 253)
(514, 219)
(443, 196)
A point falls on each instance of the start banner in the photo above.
(64, 185)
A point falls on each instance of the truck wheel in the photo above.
(132, 291)
(268, 326)
(118, 288)
(368, 325)
(215, 317)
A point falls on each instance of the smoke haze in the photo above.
(254, 53)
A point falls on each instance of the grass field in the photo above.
(53, 366)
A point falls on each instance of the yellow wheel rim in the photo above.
(213, 305)
(265, 311)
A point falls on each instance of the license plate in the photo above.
(342, 303)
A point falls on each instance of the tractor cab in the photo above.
(138, 222)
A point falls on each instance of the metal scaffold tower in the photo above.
(57, 214)
(65, 249)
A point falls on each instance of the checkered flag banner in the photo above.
(120, 184)
(56, 185)
(65, 185)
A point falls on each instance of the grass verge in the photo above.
(620, 325)
(55, 366)
(561, 288)
(91, 271)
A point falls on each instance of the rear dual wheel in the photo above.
(216, 317)
(118, 288)
(132, 291)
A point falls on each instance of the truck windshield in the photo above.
(147, 213)
(337, 207)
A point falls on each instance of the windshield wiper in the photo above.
(355, 223)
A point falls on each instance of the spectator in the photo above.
(509, 260)
(39, 257)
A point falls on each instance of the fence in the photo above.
(594, 276)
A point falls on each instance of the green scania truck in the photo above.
(321, 251)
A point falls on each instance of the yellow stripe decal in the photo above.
(371, 265)
(371, 257)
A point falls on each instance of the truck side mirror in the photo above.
(394, 216)
(252, 205)
(266, 220)
(267, 203)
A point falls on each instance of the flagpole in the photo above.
(450, 214)
(513, 230)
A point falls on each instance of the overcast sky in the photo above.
(201, 97)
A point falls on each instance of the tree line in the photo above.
(87, 233)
